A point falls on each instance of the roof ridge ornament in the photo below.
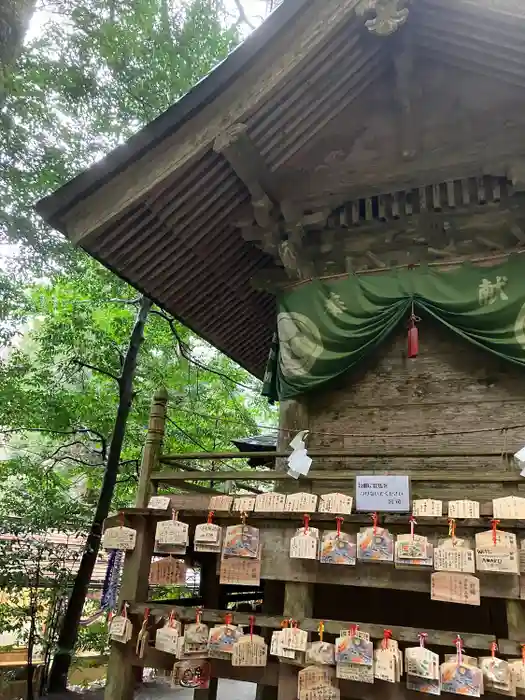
(389, 16)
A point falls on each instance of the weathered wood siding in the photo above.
(450, 386)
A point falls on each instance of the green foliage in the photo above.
(94, 73)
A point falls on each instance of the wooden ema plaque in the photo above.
(123, 538)
(250, 650)
(427, 508)
(457, 559)
(236, 571)
(270, 502)
(316, 683)
(159, 502)
(172, 532)
(193, 673)
(166, 572)
(463, 509)
(301, 503)
(244, 504)
(509, 508)
(220, 503)
(455, 588)
(336, 503)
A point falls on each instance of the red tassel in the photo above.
(413, 340)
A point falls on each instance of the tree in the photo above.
(70, 376)
(14, 20)
(35, 570)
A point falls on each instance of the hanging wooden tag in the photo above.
(250, 650)
(521, 554)
(313, 677)
(270, 502)
(455, 588)
(193, 673)
(196, 638)
(385, 661)
(277, 647)
(375, 545)
(351, 649)
(167, 639)
(120, 629)
(123, 538)
(497, 676)
(243, 504)
(167, 572)
(461, 679)
(220, 503)
(422, 662)
(301, 503)
(517, 668)
(241, 541)
(304, 546)
(208, 538)
(338, 548)
(321, 653)
(172, 532)
(463, 509)
(295, 639)
(336, 503)
(236, 571)
(427, 508)
(159, 502)
(401, 563)
(459, 559)
(355, 672)
(222, 638)
(509, 508)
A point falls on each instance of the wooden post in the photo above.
(516, 620)
(134, 589)
(298, 604)
(293, 417)
(210, 594)
(152, 447)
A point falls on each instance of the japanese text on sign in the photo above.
(382, 493)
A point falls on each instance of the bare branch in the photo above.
(105, 372)
(243, 18)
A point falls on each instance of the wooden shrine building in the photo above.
(354, 168)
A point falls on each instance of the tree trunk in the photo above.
(69, 627)
(14, 20)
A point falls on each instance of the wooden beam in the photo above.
(507, 647)
(403, 60)
(312, 28)
(337, 475)
(190, 510)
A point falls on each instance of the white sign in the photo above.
(382, 493)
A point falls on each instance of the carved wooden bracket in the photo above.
(388, 15)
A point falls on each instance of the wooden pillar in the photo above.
(293, 417)
(152, 447)
(134, 589)
(516, 620)
(210, 594)
(272, 605)
(298, 604)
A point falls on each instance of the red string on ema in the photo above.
(494, 524)
(387, 634)
(252, 623)
(422, 638)
(339, 522)
(375, 519)
(306, 522)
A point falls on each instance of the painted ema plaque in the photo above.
(389, 494)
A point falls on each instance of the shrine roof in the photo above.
(163, 210)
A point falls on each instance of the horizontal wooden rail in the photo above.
(506, 647)
(349, 454)
(168, 477)
(195, 515)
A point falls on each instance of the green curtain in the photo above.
(325, 328)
